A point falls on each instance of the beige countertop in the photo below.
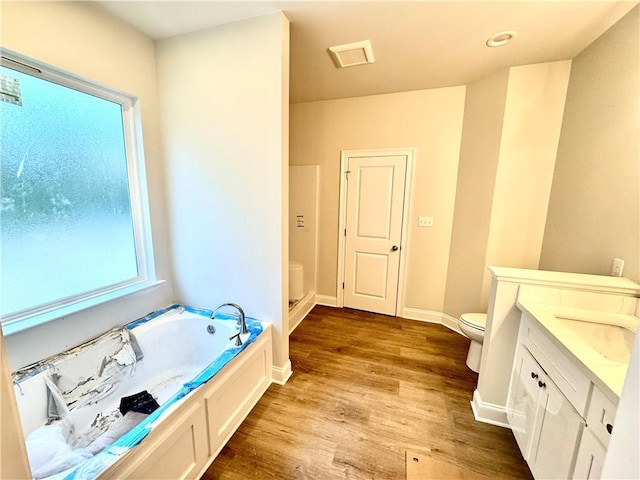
(600, 341)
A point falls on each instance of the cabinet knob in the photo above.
(534, 375)
(609, 428)
(541, 384)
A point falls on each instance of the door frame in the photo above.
(345, 155)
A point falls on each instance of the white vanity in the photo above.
(568, 372)
(584, 382)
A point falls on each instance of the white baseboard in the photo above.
(409, 313)
(431, 317)
(281, 374)
(488, 412)
(301, 310)
(326, 301)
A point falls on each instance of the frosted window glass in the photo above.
(66, 226)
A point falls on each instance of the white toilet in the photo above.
(473, 325)
(296, 276)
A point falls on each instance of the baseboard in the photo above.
(431, 317)
(409, 313)
(488, 412)
(301, 310)
(281, 374)
(326, 301)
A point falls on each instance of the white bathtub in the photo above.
(196, 377)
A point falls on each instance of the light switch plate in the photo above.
(425, 221)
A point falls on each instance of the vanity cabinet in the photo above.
(561, 420)
(595, 440)
(523, 398)
(546, 426)
(590, 458)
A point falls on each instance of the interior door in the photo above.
(375, 202)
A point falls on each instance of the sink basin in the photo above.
(613, 342)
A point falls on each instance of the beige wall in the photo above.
(503, 212)
(430, 121)
(303, 200)
(530, 133)
(224, 97)
(483, 118)
(83, 39)
(594, 211)
(510, 138)
(13, 453)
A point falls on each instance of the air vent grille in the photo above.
(352, 54)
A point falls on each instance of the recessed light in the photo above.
(501, 38)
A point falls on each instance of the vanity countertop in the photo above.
(600, 341)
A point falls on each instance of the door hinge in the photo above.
(345, 232)
(343, 285)
(346, 174)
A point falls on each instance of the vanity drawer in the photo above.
(600, 416)
(571, 381)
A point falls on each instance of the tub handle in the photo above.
(238, 339)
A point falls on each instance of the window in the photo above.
(72, 223)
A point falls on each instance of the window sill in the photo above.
(26, 322)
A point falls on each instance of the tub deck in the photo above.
(187, 442)
(206, 393)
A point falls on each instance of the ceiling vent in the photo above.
(352, 54)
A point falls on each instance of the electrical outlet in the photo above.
(617, 267)
(425, 221)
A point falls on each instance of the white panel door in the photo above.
(375, 197)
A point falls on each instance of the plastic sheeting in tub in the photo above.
(107, 457)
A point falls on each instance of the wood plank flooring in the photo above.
(365, 389)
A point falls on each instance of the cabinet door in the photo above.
(558, 428)
(590, 458)
(523, 398)
(601, 416)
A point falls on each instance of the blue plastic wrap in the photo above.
(107, 457)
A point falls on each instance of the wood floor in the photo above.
(365, 389)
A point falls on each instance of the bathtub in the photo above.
(204, 385)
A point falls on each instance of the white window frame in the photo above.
(132, 127)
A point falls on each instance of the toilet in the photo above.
(296, 272)
(473, 325)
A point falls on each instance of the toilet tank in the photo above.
(296, 274)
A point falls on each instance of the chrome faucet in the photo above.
(241, 318)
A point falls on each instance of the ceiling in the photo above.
(417, 45)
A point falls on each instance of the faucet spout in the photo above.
(242, 321)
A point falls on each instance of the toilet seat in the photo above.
(477, 321)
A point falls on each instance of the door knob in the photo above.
(394, 248)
